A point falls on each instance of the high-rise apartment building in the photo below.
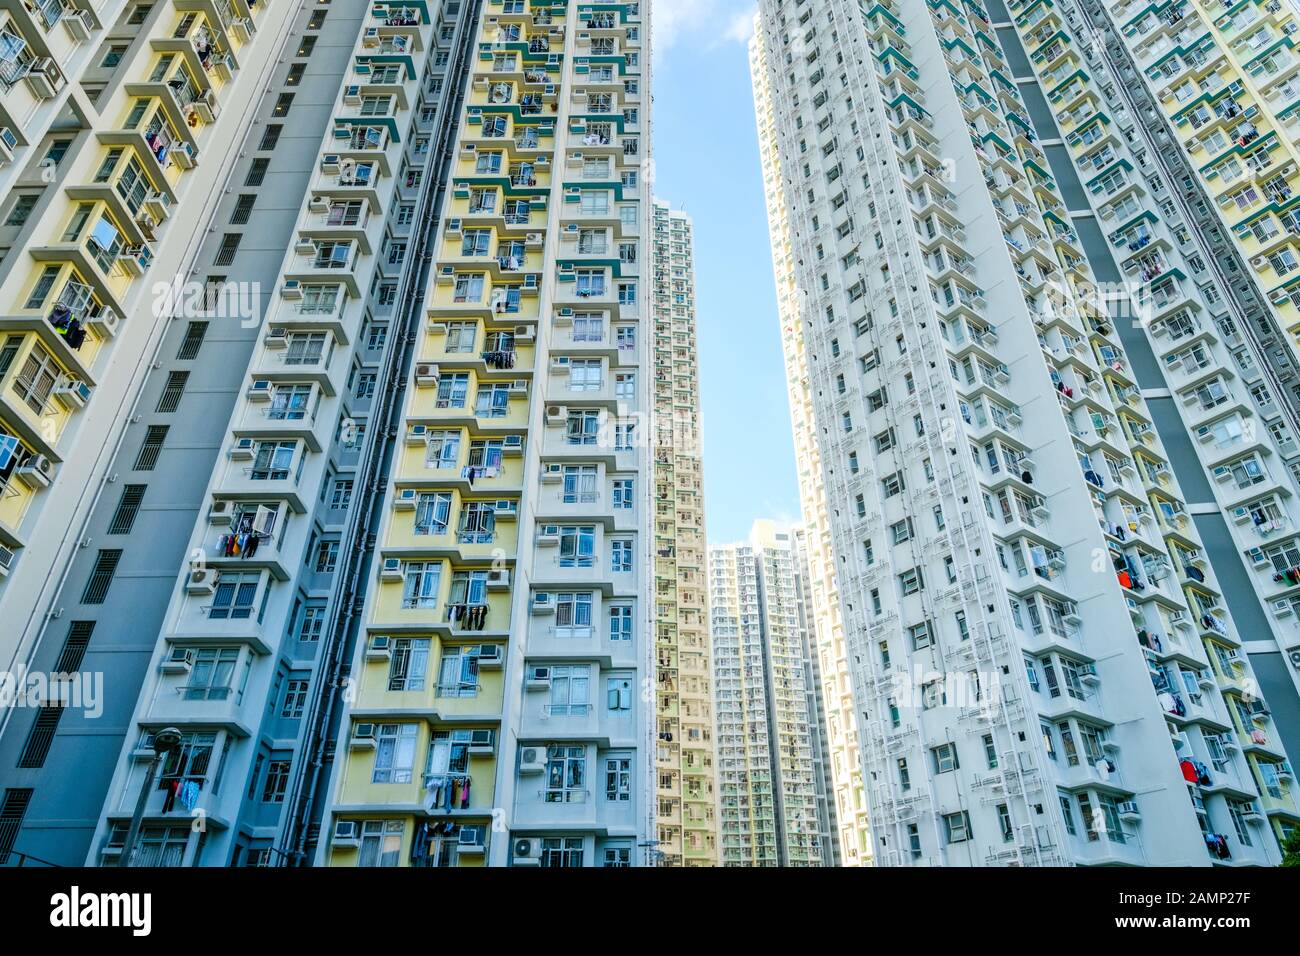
(685, 786)
(503, 710)
(407, 495)
(149, 165)
(825, 620)
(773, 806)
(1051, 452)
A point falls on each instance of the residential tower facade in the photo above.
(1045, 666)
(686, 785)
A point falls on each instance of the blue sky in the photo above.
(706, 162)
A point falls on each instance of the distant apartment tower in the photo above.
(768, 774)
(1050, 526)
(685, 764)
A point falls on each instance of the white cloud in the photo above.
(675, 20)
(741, 27)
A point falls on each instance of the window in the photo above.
(945, 758)
(562, 851)
(381, 843)
(577, 546)
(566, 772)
(277, 781)
(150, 448)
(618, 693)
(229, 246)
(243, 209)
(283, 104)
(128, 506)
(409, 664)
(295, 700)
(618, 779)
(394, 753)
(311, 623)
(170, 398)
(257, 172)
(20, 210)
(36, 380)
(623, 493)
(41, 737)
(327, 557)
(270, 136)
(620, 622)
(233, 598)
(956, 827)
(114, 56)
(420, 588)
(621, 555)
(101, 576)
(570, 691)
(573, 614)
(193, 341)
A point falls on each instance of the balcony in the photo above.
(328, 261)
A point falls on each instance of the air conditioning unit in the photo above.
(489, 656)
(556, 414)
(72, 393)
(318, 204)
(347, 833)
(527, 851)
(512, 445)
(351, 96)
(405, 499)
(426, 374)
(519, 386)
(6, 560)
(106, 322)
(1295, 658)
(44, 78)
(291, 289)
(524, 333)
(36, 472)
(1128, 810)
(453, 226)
(498, 579)
(417, 434)
(532, 759)
(542, 603)
(276, 338)
(363, 737)
(506, 509)
(560, 362)
(8, 144)
(243, 449)
(207, 107)
(470, 841)
(305, 246)
(202, 581)
(391, 570)
(184, 156)
(482, 742)
(259, 390)
(552, 473)
(179, 660)
(1282, 608)
(329, 164)
(378, 648)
